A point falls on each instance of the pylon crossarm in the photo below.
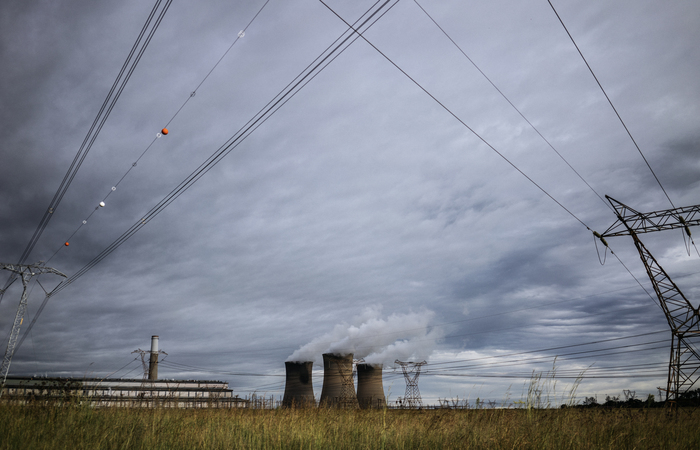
(630, 220)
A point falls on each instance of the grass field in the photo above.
(70, 427)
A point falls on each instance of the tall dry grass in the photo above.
(75, 427)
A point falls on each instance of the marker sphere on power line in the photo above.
(84, 222)
(159, 135)
(241, 33)
(164, 131)
(67, 244)
(102, 204)
(114, 188)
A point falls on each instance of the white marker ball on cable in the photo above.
(102, 204)
(241, 33)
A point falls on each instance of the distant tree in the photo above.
(590, 402)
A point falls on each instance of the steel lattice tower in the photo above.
(25, 272)
(411, 372)
(682, 316)
(347, 399)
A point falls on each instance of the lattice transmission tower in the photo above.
(682, 316)
(25, 272)
(411, 372)
(347, 399)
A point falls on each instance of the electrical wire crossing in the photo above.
(455, 116)
(164, 132)
(347, 38)
(144, 38)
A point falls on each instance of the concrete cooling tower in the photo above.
(338, 384)
(299, 390)
(370, 390)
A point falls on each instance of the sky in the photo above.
(367, 214)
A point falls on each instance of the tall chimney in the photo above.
(299, 390)
(338, 384)
(153, 363)
(370, 390)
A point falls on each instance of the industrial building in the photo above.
(122, 392)
(127, 392)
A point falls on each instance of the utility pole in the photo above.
(683, 318)
(411, 372)
(25, 272)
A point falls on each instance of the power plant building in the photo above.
(122, 392)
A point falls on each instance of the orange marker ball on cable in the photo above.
(164, 131)
(67, 244)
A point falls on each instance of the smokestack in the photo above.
(370, 390)
(338, 385)
(299, 389)
(153, 363)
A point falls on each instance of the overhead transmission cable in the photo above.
(175, 365)
(482, 139)
(607, 204)
(261, 117)
(553, 348)
(565, 356)
(135, 163)
(160, 134)
(115, 92)
(455, 116)
(367, 20)
(610, 102)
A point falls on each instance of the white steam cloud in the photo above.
(377, 340)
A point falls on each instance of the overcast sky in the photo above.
(362, 215)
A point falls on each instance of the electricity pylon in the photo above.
(25, 272)
(143, 353)
(411, 372)
(682, 316)
(347, 399)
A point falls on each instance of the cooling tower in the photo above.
(299, 390)
(370, 391)
(338, 384)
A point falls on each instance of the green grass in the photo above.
(57, 427)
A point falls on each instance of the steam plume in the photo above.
(377, 340)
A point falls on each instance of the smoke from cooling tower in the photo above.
(377, 340)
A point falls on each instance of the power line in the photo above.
(556, 348)
(562, 356)
(135, 163)
(261, 117)
(115, 92)
(511, 104)
(449, 111)
(611, 103)
(309, 73)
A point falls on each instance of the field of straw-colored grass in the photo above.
(69, 427)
